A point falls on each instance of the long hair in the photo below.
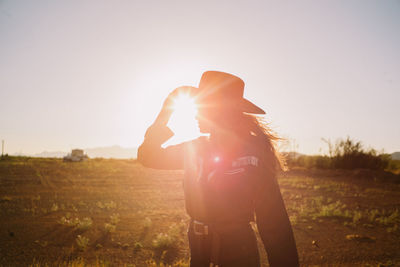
(266, 141)
(245, 125)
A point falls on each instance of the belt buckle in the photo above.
(200, 228)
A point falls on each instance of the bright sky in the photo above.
(95, 73)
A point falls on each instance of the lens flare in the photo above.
(185, 103)
(183, 121)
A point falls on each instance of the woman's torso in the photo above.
(220, 186)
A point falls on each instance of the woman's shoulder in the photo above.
(198, 144)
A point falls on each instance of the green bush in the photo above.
(349, 154)
(344, 154)
(394, 166)
(82, 242)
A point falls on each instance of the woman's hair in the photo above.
(257, 131)
(265, 140)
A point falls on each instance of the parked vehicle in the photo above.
(76, 155)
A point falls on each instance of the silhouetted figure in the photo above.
(230, 177)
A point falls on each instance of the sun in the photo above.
(184, 103)
(183, 120)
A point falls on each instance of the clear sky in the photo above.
(95, 73)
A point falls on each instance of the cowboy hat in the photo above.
(224, 90)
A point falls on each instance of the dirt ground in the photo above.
(118, 213)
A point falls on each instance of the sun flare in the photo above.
(184, 103)
(183, 120)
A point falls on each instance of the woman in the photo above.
(230, 177)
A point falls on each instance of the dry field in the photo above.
(118, 213)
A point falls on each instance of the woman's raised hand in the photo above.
(168, 105)
(169, 101)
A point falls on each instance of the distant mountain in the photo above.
(111, 152)
(395, 155)
(51, 154)
(97, 152)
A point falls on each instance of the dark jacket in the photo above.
(226, 189)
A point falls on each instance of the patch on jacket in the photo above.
(244, 161)
(234, 171)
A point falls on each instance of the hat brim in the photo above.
(248, 107)
(244, 104)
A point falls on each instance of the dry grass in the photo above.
(127, 215)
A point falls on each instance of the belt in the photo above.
(203, 229)
(200, 228)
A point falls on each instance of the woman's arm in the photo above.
(150, 152)
(274, 225)
(152, 155)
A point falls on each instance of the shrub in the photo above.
(81, 225)
(357, 216)
(165, 241)
(344, 154)
(110, 205)
(82, 242)
(392, 218)
(336, 209)
(114, 219)
(137, 246)
(67, 221)
(394, 166)
(109, 227)
(349, 154)
(54, 208)
(84, 224)
(372, 214)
